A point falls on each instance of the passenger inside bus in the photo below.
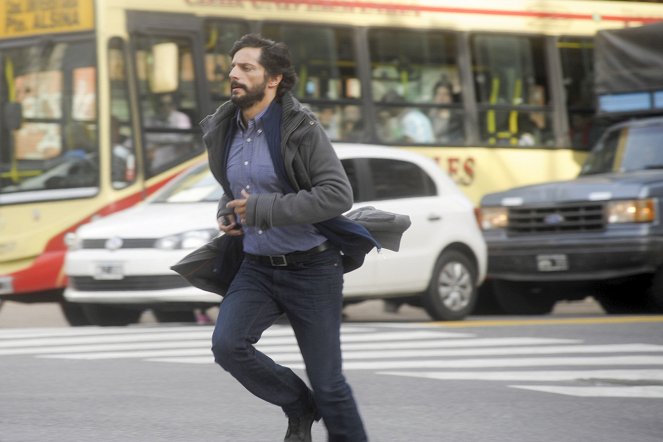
(162, 146)
(404, 124)
(123, 168)
(352, 128)
(447, 123)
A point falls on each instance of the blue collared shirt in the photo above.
(250, 168)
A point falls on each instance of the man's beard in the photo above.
(251, 97)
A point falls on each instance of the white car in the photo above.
(120, 265)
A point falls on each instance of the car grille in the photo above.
(147, 282)
(127, 243)
(567, 218)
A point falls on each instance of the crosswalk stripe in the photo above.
(643, 375)
(637, 391)
(464, 363)
(500, 362)
(291, 347)
(293, 354)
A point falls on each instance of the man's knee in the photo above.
(227, 351)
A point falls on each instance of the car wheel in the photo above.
(174, 315)
(521, 298)
(452, 292)
(73, 313)
(111, 315)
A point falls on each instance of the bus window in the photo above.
(219, 39)
(416, 86)
(56, 146)
(169, 119)
(512, 90)
(328, 81)
(577, 56)
(123, 157)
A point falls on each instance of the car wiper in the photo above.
(654, 166)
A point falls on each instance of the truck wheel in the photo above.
(487, 301)
(73, 313)
(452, 292)
(628, 297)
(522, 298)
(655, 292)
(110, 315)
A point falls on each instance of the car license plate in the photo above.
(108, 270)
(552, 263)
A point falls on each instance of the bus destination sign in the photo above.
(20, 18)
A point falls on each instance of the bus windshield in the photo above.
(53, 87)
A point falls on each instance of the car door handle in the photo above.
(434, 217)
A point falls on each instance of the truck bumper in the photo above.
(556, 260)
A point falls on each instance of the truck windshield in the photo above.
(53, 86)
(627, 149)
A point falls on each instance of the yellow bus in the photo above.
(100, 99)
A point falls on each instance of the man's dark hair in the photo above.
(274, 57)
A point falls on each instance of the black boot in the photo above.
(299, 428)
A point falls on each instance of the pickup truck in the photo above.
(599, 235)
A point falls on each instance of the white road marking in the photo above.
(638, 391)
(651, 375)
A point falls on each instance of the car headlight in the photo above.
(72, 241)
(186, 240)
(494, 218)
(632, 211)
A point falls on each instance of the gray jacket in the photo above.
(322, 189)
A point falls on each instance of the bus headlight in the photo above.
(187, 240)
(494, 218)
(631, 211)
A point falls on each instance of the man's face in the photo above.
(248, 78)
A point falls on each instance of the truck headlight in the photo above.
(632, 211)
(494, 218)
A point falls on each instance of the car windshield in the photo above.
(627, 149)
(195, 186)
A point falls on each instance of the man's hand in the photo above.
(239, 206)
(228, 226)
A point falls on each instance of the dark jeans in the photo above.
(310, 294)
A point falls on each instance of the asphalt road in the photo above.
(565, 377)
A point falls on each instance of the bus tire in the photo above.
(106, 315)
(522, 298)
(452, 292)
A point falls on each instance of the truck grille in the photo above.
(556, 219)
(158, 282)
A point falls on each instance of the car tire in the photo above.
(110, 315)
(452, 292)
(522, 298)
(165, 316)
(74, 314)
